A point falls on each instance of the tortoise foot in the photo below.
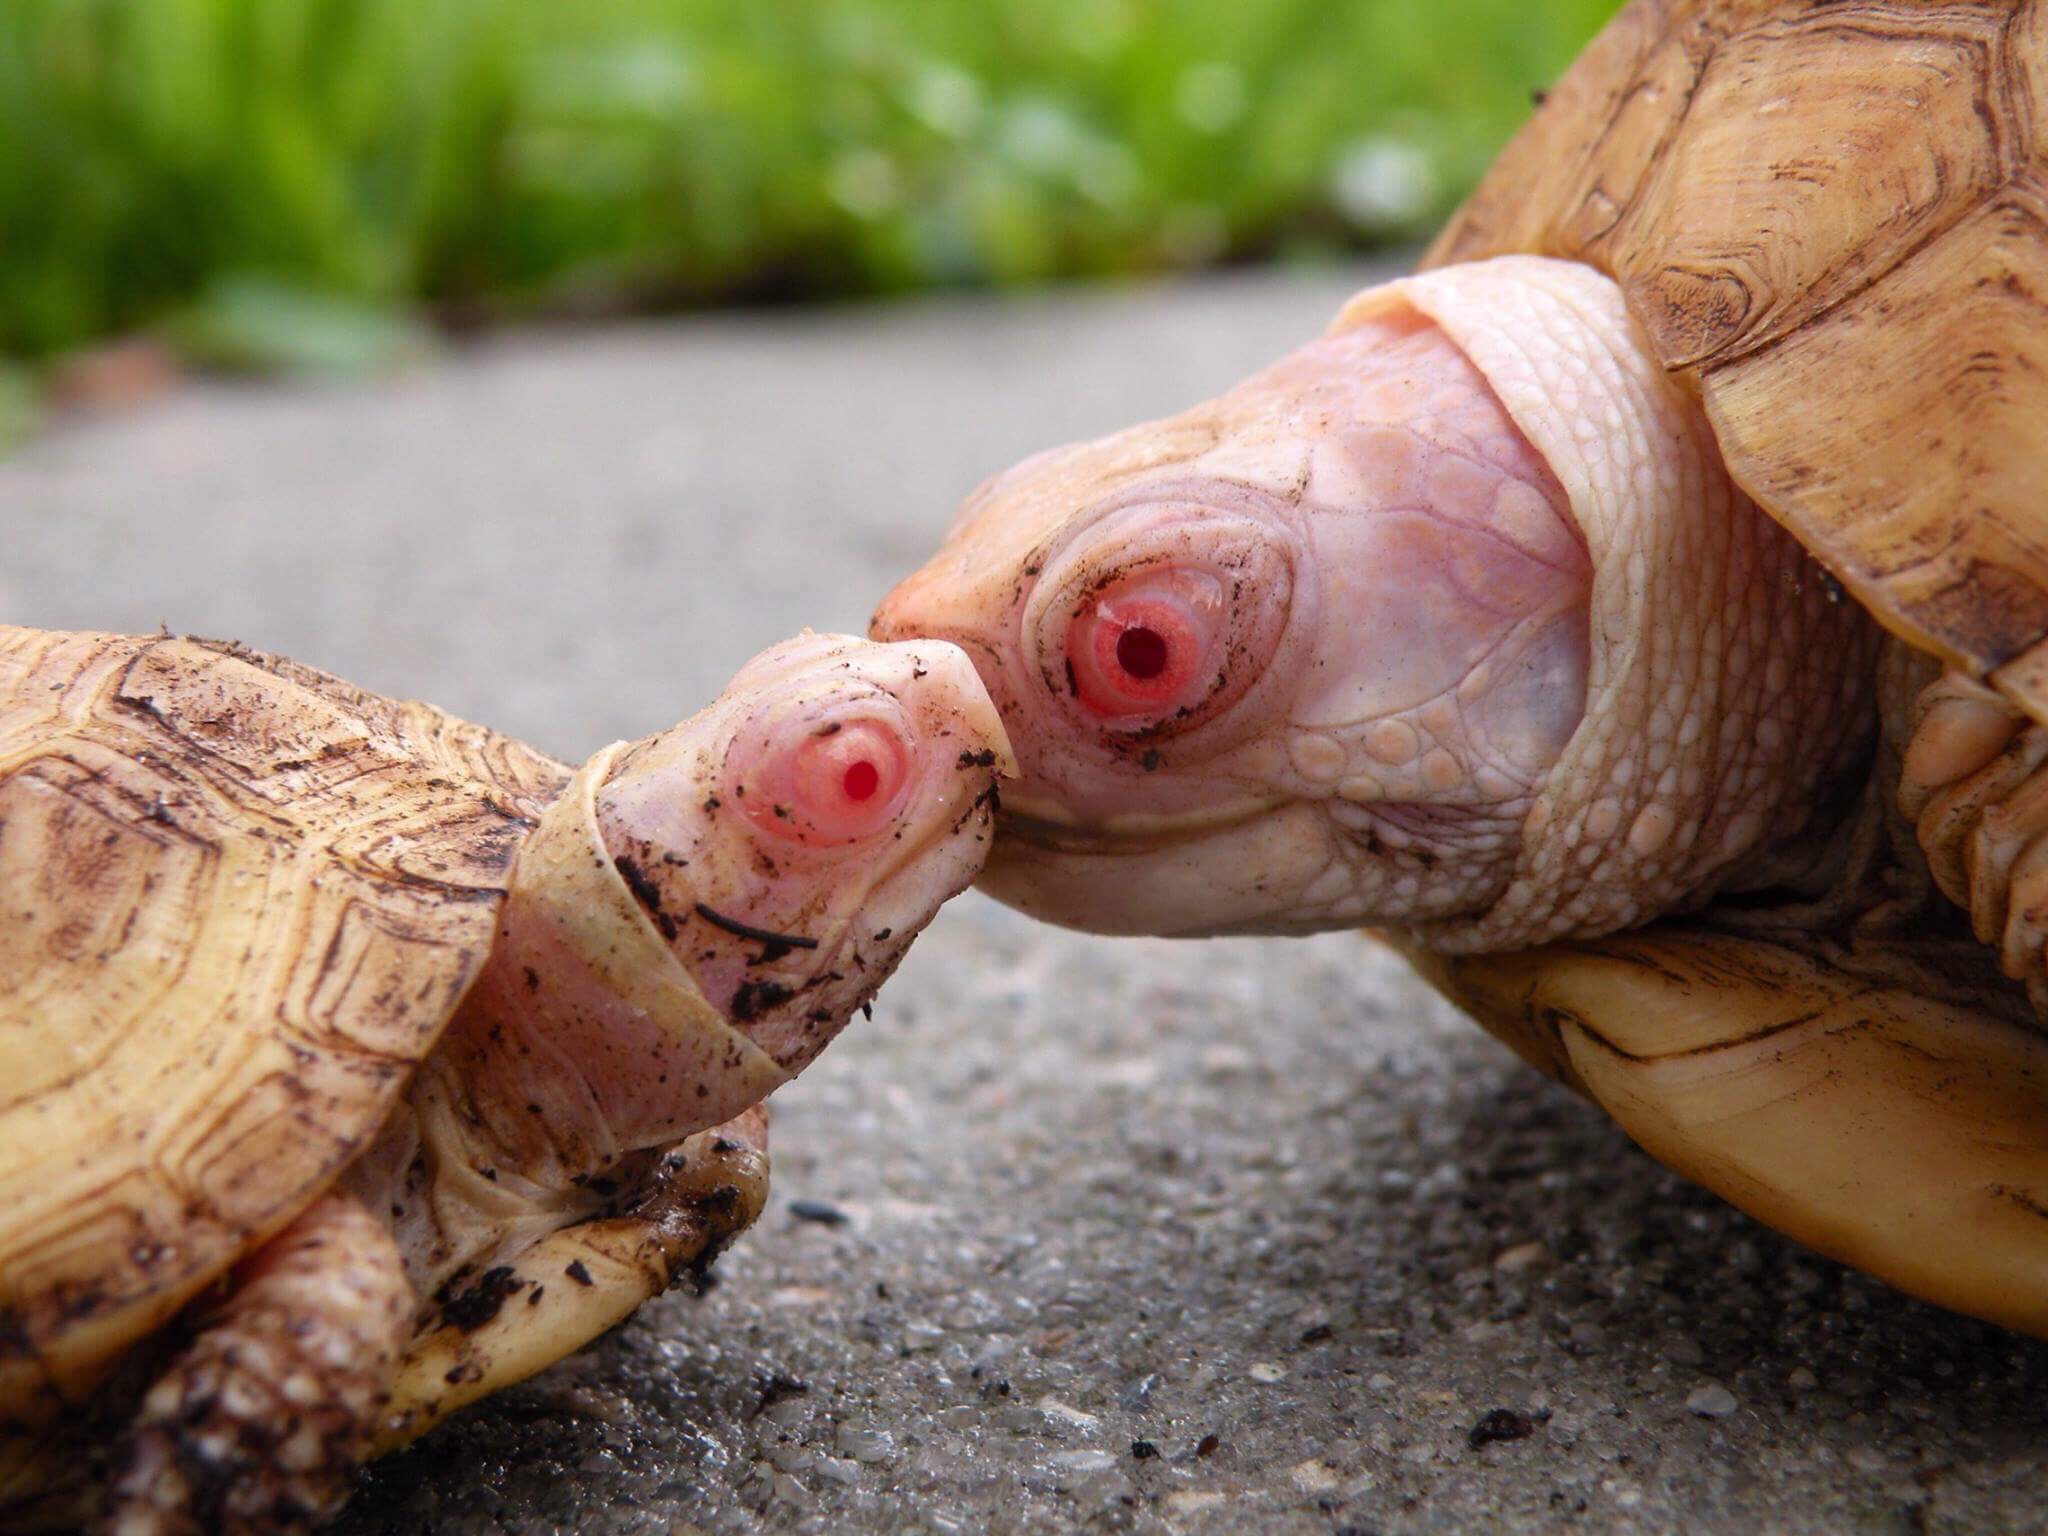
(574, 1284)
(257, 1428)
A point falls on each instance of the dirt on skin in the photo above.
(1077, 1234)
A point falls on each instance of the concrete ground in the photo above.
(1077, 1234)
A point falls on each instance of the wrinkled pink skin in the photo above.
(1381, 595)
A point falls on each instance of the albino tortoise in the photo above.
(359, 1061)
(1642, 613)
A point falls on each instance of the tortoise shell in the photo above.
(239, 900)
(1828, 221)
(1832, 222)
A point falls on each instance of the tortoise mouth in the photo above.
(1264, 868)
(1187, 876)
(1044, 828)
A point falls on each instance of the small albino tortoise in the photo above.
(1529, 614)
(356, 1061)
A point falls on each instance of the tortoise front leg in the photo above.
(518, 1318)
(258, 1425)
(1972, 784)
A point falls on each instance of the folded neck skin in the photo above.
(696, 916)
(1449, 621)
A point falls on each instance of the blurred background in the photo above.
(326, 185)
(1262, 1206)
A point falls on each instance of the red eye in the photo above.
(1143, 649)
(839, 783)
(860, 781)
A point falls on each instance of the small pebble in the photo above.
(1225, 1061)
(1711, 1401)
(1684, 1351)
(780, 1387)
(1071, 1414)
(1267, 1371)
(823, 1213)
(1313, 1476)
(1801, 1379)
(865, 1445)
(1497, 1425)
(1137, 1393)
(835, 1470)
(1144, 1450)
(1522, 1256)
(1081, 1461)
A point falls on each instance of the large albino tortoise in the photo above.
(356, 1061)
(1642, 612)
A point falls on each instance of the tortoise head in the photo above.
(699, 913)
(791, 840)
(1359, 640)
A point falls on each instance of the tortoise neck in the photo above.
(1728, 688)
(584, 1040)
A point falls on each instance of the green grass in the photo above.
(172, 158)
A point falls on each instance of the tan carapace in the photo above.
(356, 1061)
(1831, 223)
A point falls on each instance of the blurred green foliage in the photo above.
(341, 159)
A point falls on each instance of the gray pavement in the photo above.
(1136, 1236)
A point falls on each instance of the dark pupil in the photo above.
(1141, 652)
(862, 780)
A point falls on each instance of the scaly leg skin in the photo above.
(258, 1426)
(571, 1286)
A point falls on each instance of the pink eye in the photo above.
(1143, 649)
(839, 783)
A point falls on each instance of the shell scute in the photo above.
(1827, 220)
(262, 731)
(241, 900)
(363, 992)
(1929, 488)
(1744, 232)
(88, 883)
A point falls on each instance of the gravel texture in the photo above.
(1077, 1234)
